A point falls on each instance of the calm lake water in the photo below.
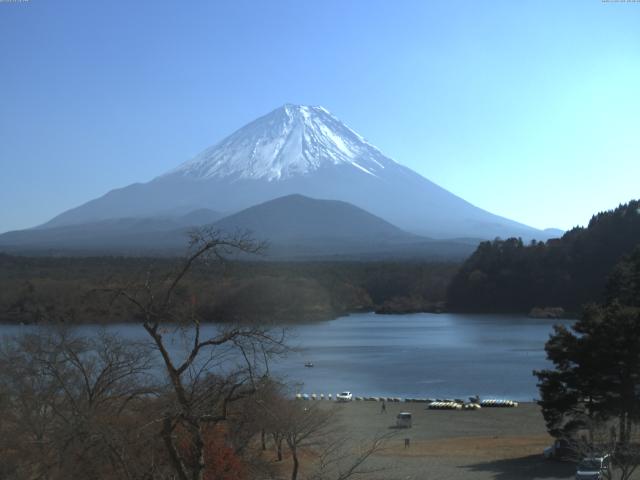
(420, 355)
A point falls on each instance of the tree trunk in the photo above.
(198, 446)
(296, 464)
(174, 455)
(277, 441)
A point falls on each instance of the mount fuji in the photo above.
(302, 150)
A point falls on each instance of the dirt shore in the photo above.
(491, 443)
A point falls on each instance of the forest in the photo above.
(69, 289)
(500, 276)
(509, 276)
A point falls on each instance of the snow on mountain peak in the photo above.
(290, 141)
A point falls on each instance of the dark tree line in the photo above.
(507, 275)
(42, 289)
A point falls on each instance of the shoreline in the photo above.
(305, 321)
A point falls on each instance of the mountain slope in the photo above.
(301, 150)
(295, 228)
(114, 235)
(298, 227)
(298, 218)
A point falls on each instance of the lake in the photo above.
(418, 355)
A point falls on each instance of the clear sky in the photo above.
(529, 109)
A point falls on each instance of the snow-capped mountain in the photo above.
(291, 141)
(304, 150)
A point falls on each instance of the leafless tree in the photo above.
(305, 427)
(314, 429)
(342, 458)
(219, 368)
(97, 408)
(67, 406)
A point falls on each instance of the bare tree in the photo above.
(218, 368)
(342, 458)
(67, 405)
(271, 402)
(315, 429)
(99, 408)
(305, 427)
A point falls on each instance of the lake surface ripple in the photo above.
(418, 355)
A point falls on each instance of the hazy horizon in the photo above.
(527, 111)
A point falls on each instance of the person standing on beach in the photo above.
(383, 407)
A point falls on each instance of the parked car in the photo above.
(562, 449)
(344, 397)
(594, 468)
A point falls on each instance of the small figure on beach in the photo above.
(406, 442)
(383, 407)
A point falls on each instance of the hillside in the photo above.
(128, 236)
(507, 275)
(295, 227)
(298, 218)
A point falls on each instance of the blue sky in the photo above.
(528, 109)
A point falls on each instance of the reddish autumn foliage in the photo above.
(221, 461)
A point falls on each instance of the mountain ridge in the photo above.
(295, 227)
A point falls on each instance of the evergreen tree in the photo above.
(596, 377)
(505, 275)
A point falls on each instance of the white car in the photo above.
(594, 468)
(344, 397)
